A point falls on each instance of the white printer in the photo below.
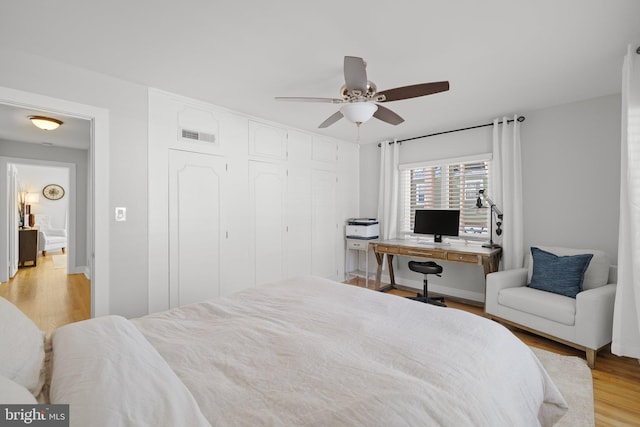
(362, 228)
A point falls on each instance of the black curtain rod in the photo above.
(520, 119)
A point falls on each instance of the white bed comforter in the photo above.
(110, 375)
(309, 351)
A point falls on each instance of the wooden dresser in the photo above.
(28, 252)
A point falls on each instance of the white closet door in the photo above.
(267, 203)
(196, 199)
(324, 225)
(299, 222)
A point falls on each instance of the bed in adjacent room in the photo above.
(303, 351)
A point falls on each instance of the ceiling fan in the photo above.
(361, 97)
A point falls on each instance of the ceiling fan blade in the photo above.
(355, 73)
(413, 91)
(308, 99)
(388, 116)
(331, 120)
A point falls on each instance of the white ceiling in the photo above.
(16, 126)
(500, 56)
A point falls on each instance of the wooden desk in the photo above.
(489, 259)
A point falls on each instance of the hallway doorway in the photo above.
(96, 250)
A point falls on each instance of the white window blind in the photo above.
(445, 186)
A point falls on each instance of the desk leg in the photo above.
(366, 267)
(490, 264)
(392, 277)
(486, 265)
(379, 259)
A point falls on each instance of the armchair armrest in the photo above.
(507, 279)
(502, 280)
(594, 316)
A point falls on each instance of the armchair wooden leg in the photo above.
(591, 358)
(44, 253)
(64, 250)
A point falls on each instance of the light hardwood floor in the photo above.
(49, 296)
(616, 380)
(52, 298)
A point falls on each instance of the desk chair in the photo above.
(426, 268)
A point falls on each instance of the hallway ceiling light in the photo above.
(45, 123)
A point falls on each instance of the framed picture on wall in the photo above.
(53, 192)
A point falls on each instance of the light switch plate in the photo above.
(121, 214)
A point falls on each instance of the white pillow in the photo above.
(597, 273)
(12, 393)
(21, 348)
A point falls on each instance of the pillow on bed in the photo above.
(21, 348)
(12, 393)
(562, 275)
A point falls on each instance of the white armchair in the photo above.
(51, 239)
(584, 322)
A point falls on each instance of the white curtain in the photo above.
(626, 315)
(388, 190)
(506, 190)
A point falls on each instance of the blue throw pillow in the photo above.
(559, 274)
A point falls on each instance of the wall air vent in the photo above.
(198, 130)
(198, 136)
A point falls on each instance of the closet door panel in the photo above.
(299, 222)
(267, 205)
(267, 141)
(324, 225)
(300, 148)
(324, 151)
(196, 199)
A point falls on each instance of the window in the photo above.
(448, 185)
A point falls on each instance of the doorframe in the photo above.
(98, 190)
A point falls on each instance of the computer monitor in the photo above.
(439, 222)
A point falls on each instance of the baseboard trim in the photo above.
(82, 269)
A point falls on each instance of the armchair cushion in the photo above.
(551, 306)
(562, 275)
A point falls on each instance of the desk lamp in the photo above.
(494, 211)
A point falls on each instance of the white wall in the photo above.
(571, 175)
(127, 106)
(571, 182)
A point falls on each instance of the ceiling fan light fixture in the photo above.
(358, 112)
(45, 123)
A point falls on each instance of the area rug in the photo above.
(573, 377)
(59, 261)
